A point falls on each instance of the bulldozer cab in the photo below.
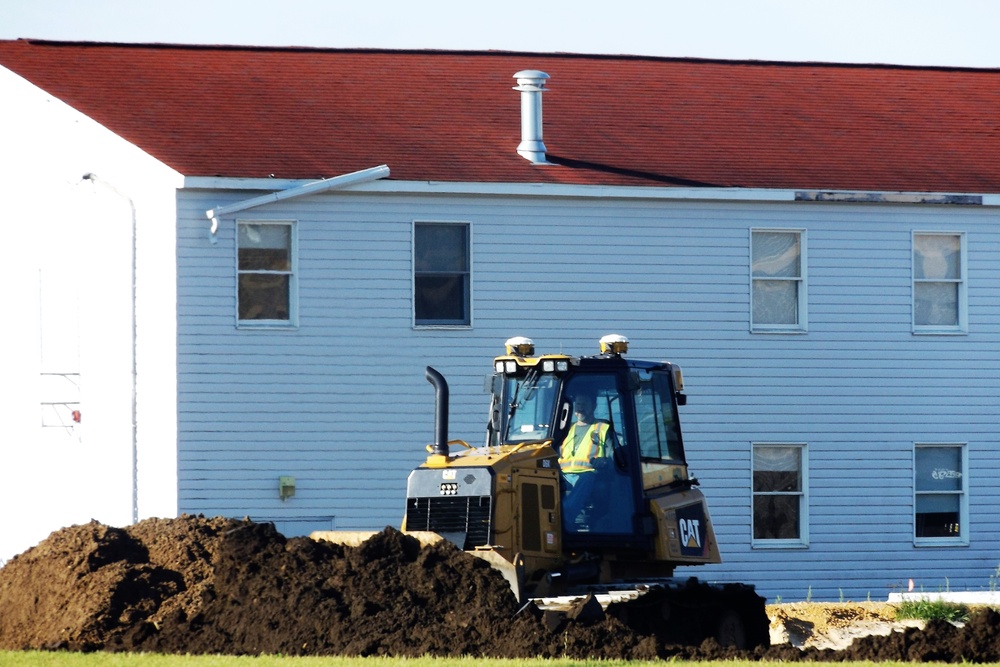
(613, 424)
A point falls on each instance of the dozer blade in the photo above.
(677, 610)
(512, 572)
(354, 538)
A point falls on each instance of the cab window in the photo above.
(532, 400)
(607, 403)
(660, 445)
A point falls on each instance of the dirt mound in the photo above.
(197, 585)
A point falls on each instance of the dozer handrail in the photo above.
(430, 447)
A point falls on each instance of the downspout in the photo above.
(135, 441)
(335, 183)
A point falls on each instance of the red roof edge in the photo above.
(490, 52)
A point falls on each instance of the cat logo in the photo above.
(690, 537)
(692, 528)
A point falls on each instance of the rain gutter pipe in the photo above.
(335, 183)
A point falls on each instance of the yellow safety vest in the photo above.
(579, 449)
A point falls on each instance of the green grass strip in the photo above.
(928, 610)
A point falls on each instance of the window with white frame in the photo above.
(939, 283)
(777, 276)
(940, 503)
(265, 272)
(780, 507)
(441, 274)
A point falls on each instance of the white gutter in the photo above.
(335, 183)
(499, 189)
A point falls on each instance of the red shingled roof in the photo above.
(453, 116)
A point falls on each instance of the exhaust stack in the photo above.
(531, 83)
(440, 446)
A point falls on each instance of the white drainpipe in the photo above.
(531, 83)
(335, 183)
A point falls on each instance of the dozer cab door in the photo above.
(601, 477)
(639, 491)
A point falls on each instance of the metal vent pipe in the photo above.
(531, 83)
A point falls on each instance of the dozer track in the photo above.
(677, 611)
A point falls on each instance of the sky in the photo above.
(961, 33)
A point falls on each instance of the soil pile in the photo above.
(197, 585)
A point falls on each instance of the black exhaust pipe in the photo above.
(440, 411)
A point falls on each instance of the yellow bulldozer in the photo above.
(581, 488)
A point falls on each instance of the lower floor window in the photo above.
(779, 495)
(939, 502)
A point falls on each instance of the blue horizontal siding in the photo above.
(340, 401)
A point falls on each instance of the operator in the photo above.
(584, 442)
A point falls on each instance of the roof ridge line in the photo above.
(563, 55)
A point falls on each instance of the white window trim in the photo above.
(413, 277)
(962, 328)
(293, 284)
(803, 305)
(962, 539)
(803, 541)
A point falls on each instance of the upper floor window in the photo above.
(780, 507)
(777, 276)
(939, 283)
(265, 273)
(940, 503)
(441, 274)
